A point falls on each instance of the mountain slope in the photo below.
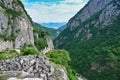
(59, 30)
(92, 38)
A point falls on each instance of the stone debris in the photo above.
(32, 67)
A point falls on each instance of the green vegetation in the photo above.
(7, 54)
(59, 56)
(17, 31)
(52, 32)
(40, 43)
(62, 57)
(103, 49)
(1, 71)
(12, 12)
(18, 2)
(12, 53)
(28, 49)
(39, 38)
(2, 5)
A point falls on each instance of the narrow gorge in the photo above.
(87, 47)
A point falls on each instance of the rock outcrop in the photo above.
(89, 10)
(49, 43)
(15, 25)
(33, 66)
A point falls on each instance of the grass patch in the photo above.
(7, 54)
(28, 49)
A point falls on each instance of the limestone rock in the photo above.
(49, 43)
(32, 67)
(90, 9)
(15, 25)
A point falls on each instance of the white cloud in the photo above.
(47, 12)
(72, 1)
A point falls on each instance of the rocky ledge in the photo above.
(32, 67)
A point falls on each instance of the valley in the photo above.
(85, 48)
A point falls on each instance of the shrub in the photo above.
(7, 54)
(2, 56)
(40, 43)
(29, 51)
(12, 12)
(59, 56)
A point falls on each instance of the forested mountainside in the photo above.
(92, 37)
(59, 30)
(23, 46)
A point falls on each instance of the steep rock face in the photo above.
(15, 26)
(90, 9)
(32, 66)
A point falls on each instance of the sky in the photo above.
(45, 11)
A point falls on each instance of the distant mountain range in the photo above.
(54, 25)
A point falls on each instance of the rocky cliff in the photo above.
(15, 25)
(92, 38)
(89, 10)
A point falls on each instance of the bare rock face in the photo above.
(33, 67)
(15, 26)
(5, 44)
(90, 9)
